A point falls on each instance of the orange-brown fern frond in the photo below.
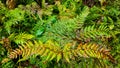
(15, 53)
(94, 50)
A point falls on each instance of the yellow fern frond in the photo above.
(51, 51)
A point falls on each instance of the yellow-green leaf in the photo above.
(59, 56)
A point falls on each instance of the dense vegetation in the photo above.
(59, 34)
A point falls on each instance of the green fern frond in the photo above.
(20, 38)
(82, 17)
(65, 29)
(94, 32)
(51, 51)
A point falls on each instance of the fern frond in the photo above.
(51, 51)
(93, 50)
(20, 38)
(82, 17)
(15, 53)
(93, 32)
(65, 29)
(36, 48)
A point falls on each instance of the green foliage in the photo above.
(13, 17)
(8, 65)
(90, 32)
(60, 34)
(20, 38)
(64, 29)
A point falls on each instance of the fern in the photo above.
(52, 50)
(93, 32)
(84, 13)
(64, 29)
(20, 38)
